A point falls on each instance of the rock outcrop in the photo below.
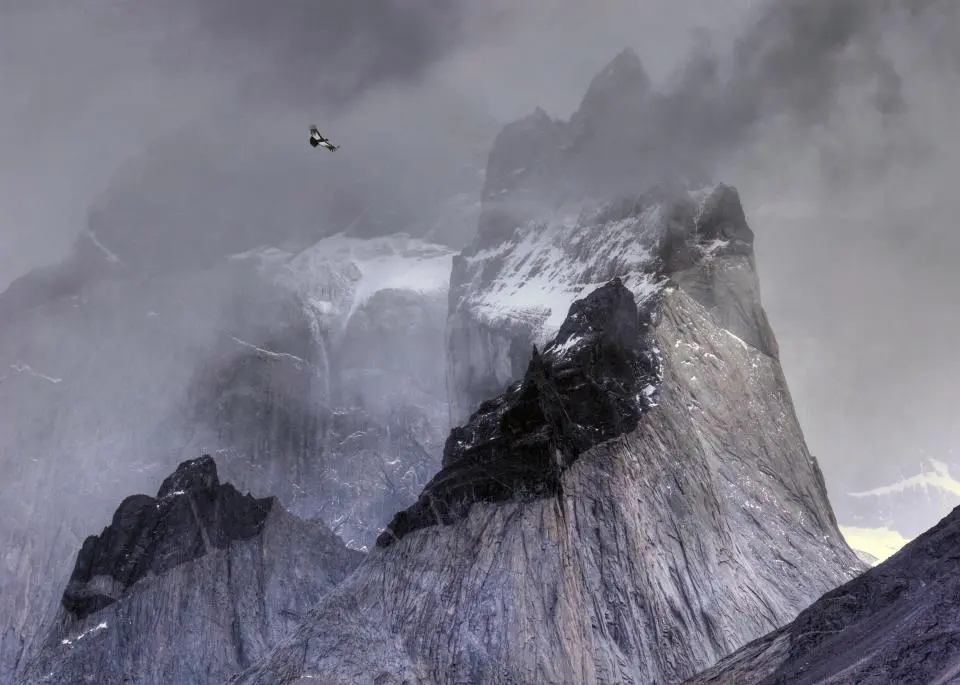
(896, 623)
(589, 386)
(558, 548)
(192, 515)
(188, 587)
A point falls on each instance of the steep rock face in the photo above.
(590, 385)
(188, 587)
(310, 376)
(349, 402)
(896, 623)
(663, 548)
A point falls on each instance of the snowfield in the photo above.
(336, 276)
(536, 275)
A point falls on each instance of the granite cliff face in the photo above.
(187, 587)
(896, 623)
(560, 546)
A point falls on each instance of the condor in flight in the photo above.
(317, 140)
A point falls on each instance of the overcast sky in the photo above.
(838, 124)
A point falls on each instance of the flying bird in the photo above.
(317, 140)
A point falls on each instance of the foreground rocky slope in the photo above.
(187, 587)
(896, 623)
(575, 547)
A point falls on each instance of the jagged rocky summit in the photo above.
(187, 587)
(192, 515)
(567, 206)
(896, 623)
(589, 386)
(557, 545)
(635, 504)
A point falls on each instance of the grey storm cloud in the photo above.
(795, 62)
(326, 51)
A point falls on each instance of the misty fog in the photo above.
(177, 132)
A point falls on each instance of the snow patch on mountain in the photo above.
(96, 629)
(20, 368)
(337, 275)
(545, 266)
(111, 257)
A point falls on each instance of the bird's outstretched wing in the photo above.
(316, 139)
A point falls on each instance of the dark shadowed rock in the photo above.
(896, 623)
(192, 515)
(590, 385)
(508, 296)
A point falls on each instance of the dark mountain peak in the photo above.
(624, 71)
(608, 311)
(193, 476)
(591, 384)
(622, 87)
(705, 224)
(523, 150)
(192, 515)
(539, 115)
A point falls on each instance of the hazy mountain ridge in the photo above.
(247, 360)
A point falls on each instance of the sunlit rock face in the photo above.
(188, 586)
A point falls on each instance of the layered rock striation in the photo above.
(311, 376)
